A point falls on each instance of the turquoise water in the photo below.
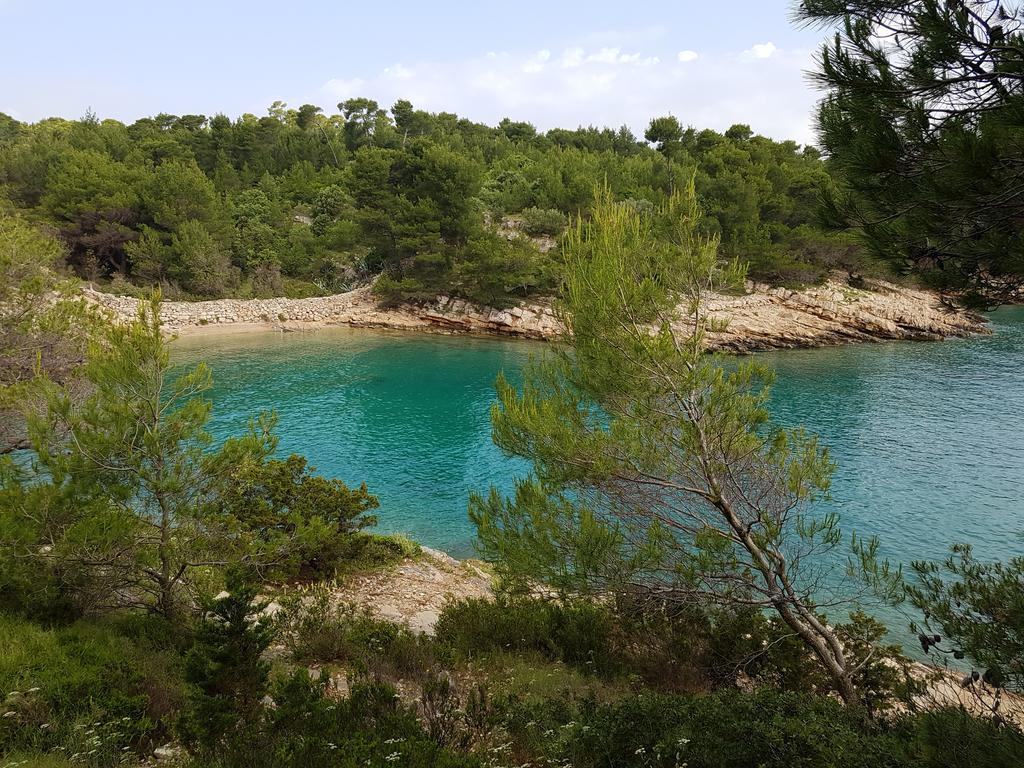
(929, 438)
(407, 413)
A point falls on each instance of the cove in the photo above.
(928, 437)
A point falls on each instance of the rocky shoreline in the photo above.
(762, 319)
(415, 591)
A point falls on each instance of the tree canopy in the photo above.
(300, 202)
(924, 121)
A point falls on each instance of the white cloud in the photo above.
(605, 85)
(399, 72)
(537, 62)
(572, 57)
(761, 51)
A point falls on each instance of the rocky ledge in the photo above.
(764, 318)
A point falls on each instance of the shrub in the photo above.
(307, 729)
(302, 520)
(227, 673)
(578, 633)
(300, 289)
(543, 221)
(951, 738)
(729, 728)
(318, 628)
(368, 552)
(766, 729)
(368, 727)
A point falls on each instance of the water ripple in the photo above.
(927, 437)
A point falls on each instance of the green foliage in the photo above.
(923, 121)
(670, 648)
(33, 329)
(126, 505)
(367, 552)
(227, 674)
(979, 609)
(202, 266)
(655, 467)
(43, 324)
(543, 221)
(117, 476)
(578, 633)
(98, 694)
(306, 729)
(319, 628)
(302, 521)
(258, 205)
(765, 729)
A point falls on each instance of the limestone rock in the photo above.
(764, 318)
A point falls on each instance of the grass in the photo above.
(28, 760)
(102, 690)
(369, 553)
(531, 678)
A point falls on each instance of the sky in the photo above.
(553, 63)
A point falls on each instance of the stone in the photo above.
(167, 752)
(765, 318)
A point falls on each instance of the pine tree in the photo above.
(924, 118)
(228, 674)
(656, 471)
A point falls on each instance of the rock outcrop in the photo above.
(764, 318)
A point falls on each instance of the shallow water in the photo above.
(928, 437)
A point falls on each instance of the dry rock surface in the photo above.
(415, 591)
(764, 318)
(946, 688)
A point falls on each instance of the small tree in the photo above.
(298, 521)
(43, 324)
(121, 476)
(228, 674)
(205, 269)
(656, 470)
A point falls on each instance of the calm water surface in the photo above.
(929, 437)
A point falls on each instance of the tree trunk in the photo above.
(797, 616)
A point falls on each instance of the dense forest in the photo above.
(301, 203)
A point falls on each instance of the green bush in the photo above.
(766, 729)
(543, 221)
(308, 729)
(951, 738)
(317, 628)
(92, 689)
(299, 289)
(227, 673)
(578, 633)
(303, 521)
(369, 551)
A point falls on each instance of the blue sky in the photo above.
(553, 63)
